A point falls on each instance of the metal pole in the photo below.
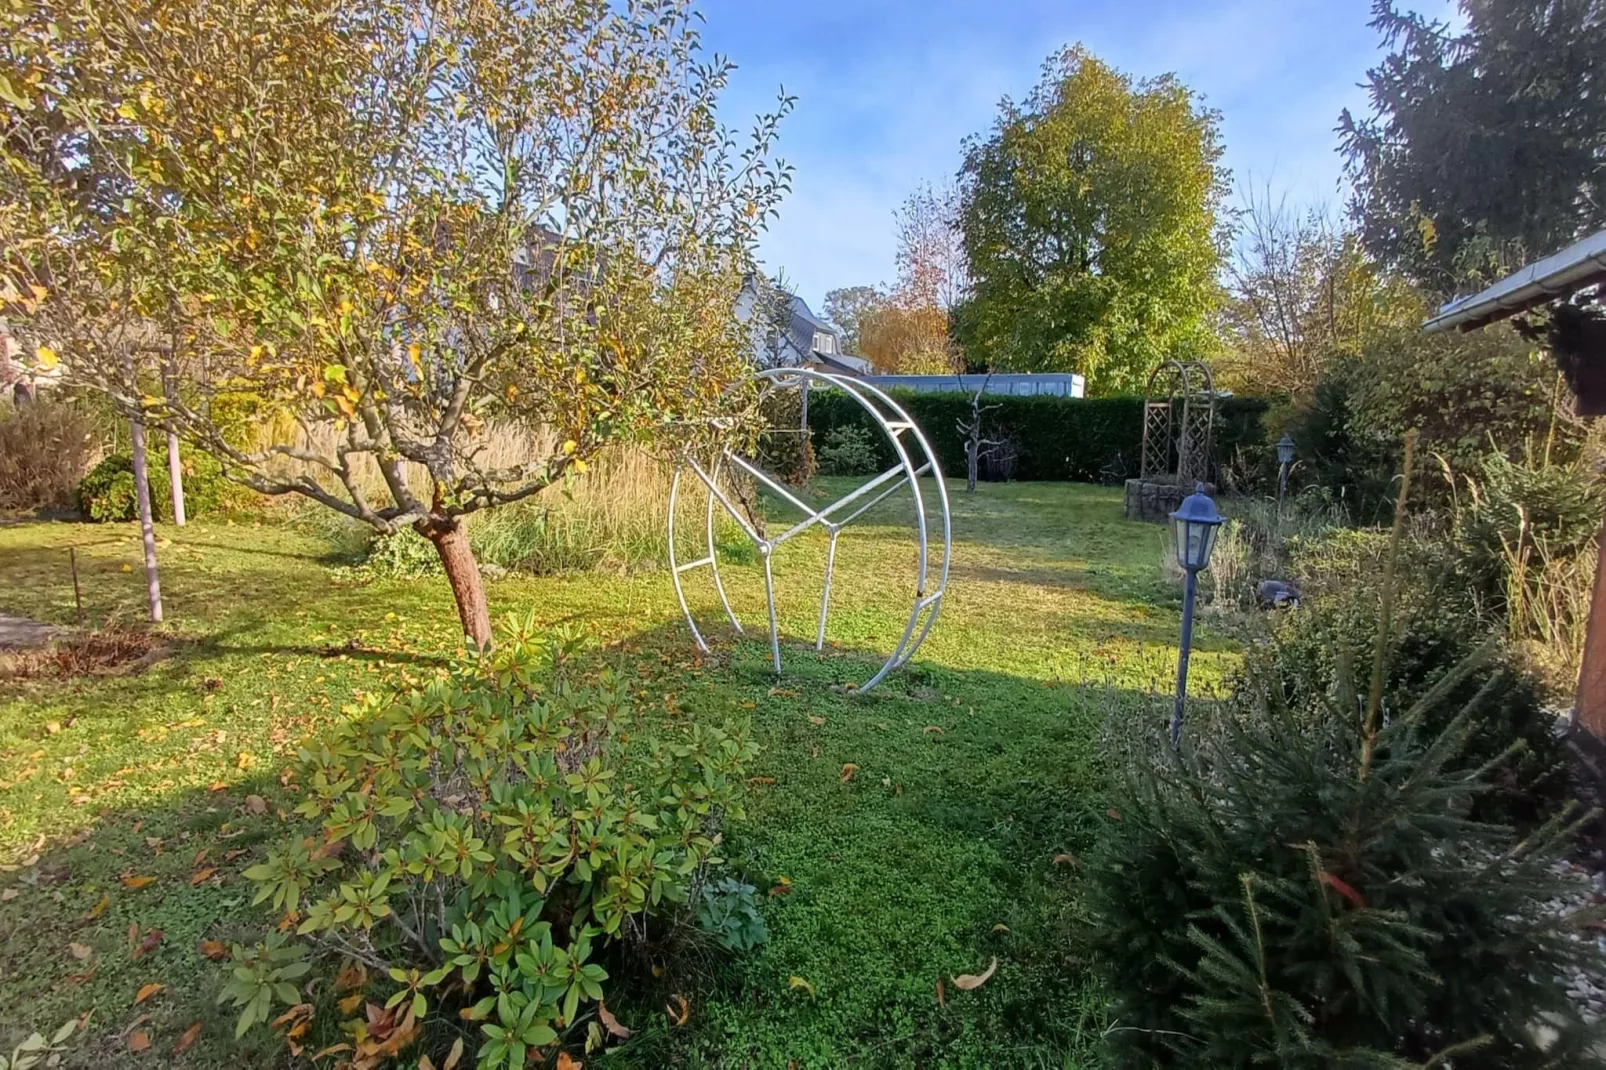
(142, 497)
(77, 592)
(1182, 657)
(175, 478)
(1282, 487)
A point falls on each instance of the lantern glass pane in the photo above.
(1182, 541)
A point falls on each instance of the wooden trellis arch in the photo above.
(1179, 421)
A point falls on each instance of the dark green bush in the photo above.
(848, 451)
(485, 837)
(1270, 896)
(1087, 440)
(107, 492)
(1515, 507)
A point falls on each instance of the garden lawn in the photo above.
(905, 837)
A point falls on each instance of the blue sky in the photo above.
(887, 89)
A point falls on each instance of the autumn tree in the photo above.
(1089, 222)
(372, 230)
(1301, 292)
(846, 308)
(1486, 143)
(909, 332)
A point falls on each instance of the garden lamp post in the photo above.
(1285, 457)
(1197, 523)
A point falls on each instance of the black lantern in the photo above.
(1285, 449)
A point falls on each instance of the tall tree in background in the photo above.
(847, 307)
(932, 271)
(1089, 226)
(1301, 292)
(910, 333)
(1485, 147)
(377, 227)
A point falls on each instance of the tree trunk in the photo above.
(142, 499)
(451, 543)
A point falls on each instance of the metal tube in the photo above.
(825, 595)
(713, 555)
(769, 597)
(674, 566)
(1188, 590)
(1282, 487)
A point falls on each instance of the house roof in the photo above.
(1581, 264)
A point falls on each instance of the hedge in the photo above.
(1084, 440)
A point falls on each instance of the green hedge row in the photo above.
(1085, 440)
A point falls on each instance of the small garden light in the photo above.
(1285, 457)
(1197, 524)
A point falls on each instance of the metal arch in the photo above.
(1182, 424)
(894, 423)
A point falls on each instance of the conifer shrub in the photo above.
(482, 841)
(1304, 884)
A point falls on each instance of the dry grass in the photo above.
(1547, 610)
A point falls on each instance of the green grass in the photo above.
(976, 767)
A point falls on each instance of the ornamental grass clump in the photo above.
(481, 839)
(1305, 884)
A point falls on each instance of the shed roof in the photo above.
(1581, 264)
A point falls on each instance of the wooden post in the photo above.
(175, 478)
(1590, 707)
(147, 530)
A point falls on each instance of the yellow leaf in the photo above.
(147, 991)
(848, 770)
(566, 1062)
(970, 981)
(214, 950)
(794, 983)
(99, 908)
(46, 357)
(187, 1040)
(579, 466)
(570, 446)
(136, 882)
(81, 952)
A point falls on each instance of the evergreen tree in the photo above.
(1486, 147)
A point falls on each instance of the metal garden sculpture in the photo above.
(1180, 423)
(914, 460)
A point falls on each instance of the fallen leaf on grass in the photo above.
(758, 781)
(848, 770)
(794, 983)
(1000, 928)
(567, 1062)
(80, 978)
(200, 876)
(350, 1003)
(149, 944)
(1113, 814)
(139, 1041)
(146, 991)
(99, 908)
(932, 728)
(8, 895)
(942, 997)
(679, 1009)
(81, 952)
(135, 882)
(1064, 860)
(816, 721)
(971, 981)
(214, 950)
(610, 1023)
(783, 886)
(256, 804)
(187, 1040)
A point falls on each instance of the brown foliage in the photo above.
(45, 447)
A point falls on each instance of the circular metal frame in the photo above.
(1180, 423)
(915, 459)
